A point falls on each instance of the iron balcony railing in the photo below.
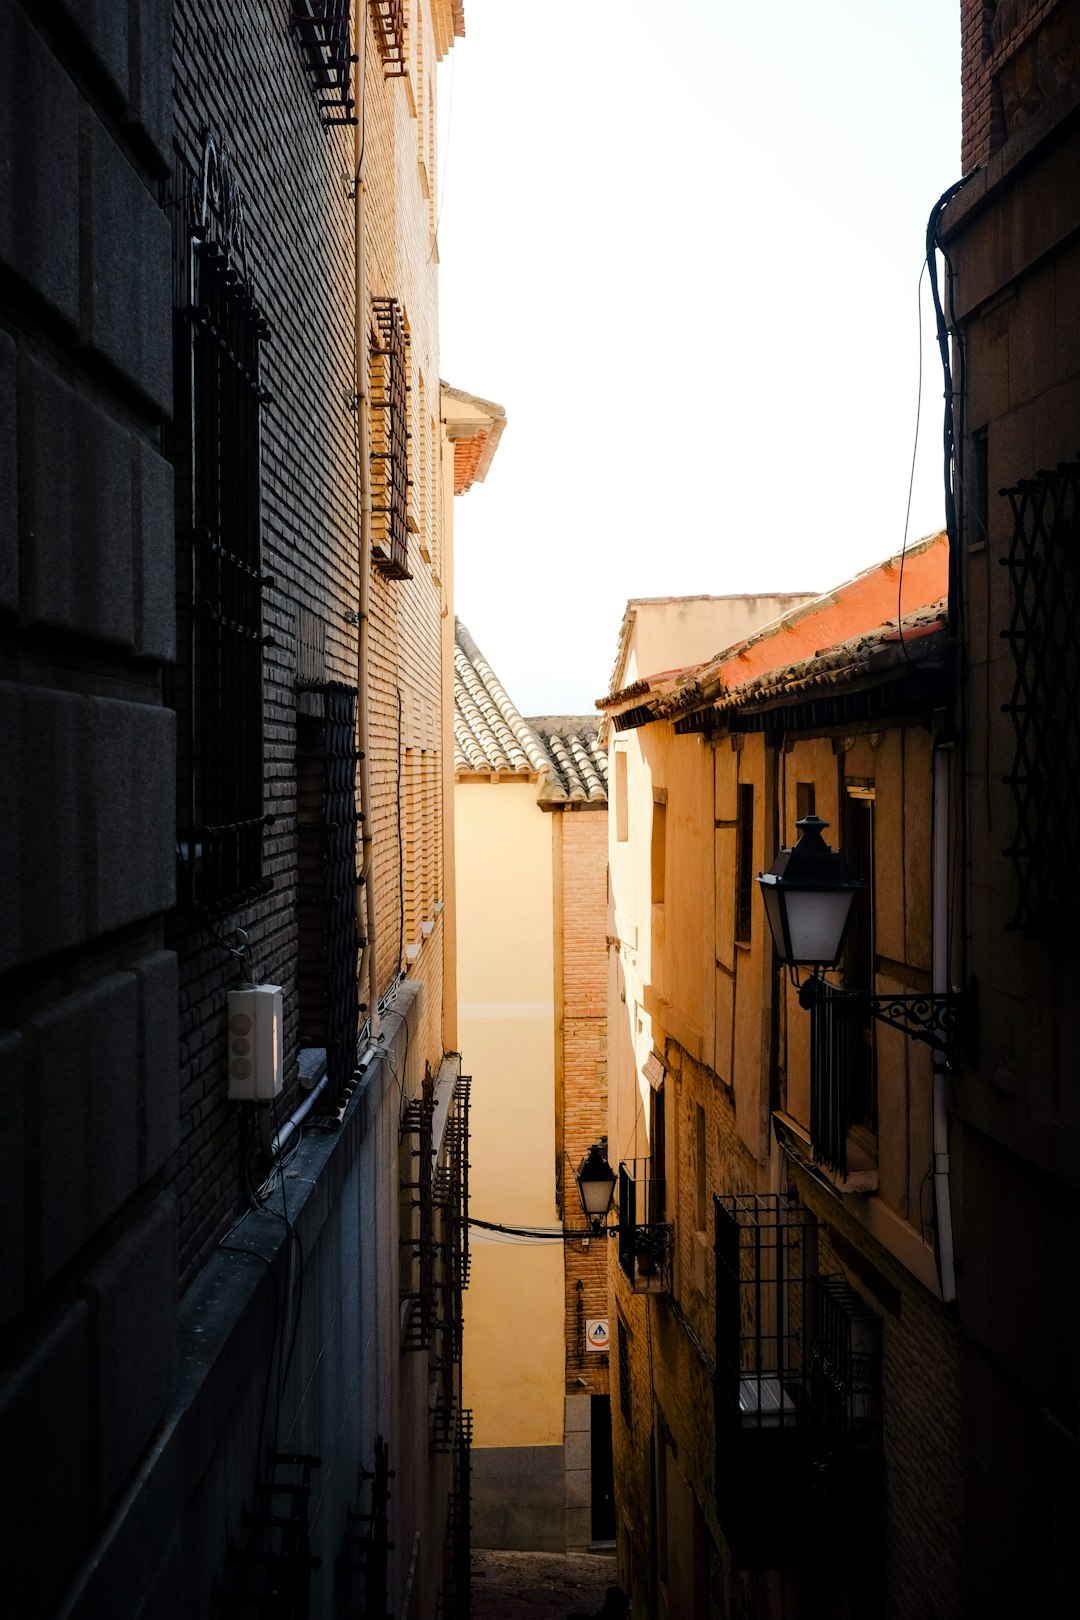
(645, 1237)
(797, 1391)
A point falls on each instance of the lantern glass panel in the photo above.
(816, 923)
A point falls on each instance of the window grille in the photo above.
(365, 1560)
(845, 1362)
(418, 1246)
(1044, 638)
(327, 831)
(765, 1254)
(645, 1238)
(833, 1077)
(451, 1199)
(216, 686)
(322, 29)
(389, 17)
(389, 442)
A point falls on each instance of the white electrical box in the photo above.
(256, 1062)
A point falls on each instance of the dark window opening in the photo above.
(805, 801)
(658, 853)
(327, 826)
(625, 1395)
(858, 959)
(978, 490)
(216, 685)
(744, 863)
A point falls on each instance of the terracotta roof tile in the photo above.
(563, 752)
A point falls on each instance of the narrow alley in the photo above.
(539, 1586)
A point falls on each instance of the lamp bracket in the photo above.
(933, 1016)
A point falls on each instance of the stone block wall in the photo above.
(88, 993)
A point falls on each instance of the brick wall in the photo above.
(581, 1062)
(1015, 54)
(294, 178)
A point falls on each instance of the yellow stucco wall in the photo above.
(513, 1355)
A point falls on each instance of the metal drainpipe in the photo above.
(365, 900)
(940, 963)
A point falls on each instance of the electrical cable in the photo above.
(911, 477)
(553, 1234)
(932, 250)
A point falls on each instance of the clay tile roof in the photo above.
(573, 741)
(491, 737)
(917, 642)
(489, 733)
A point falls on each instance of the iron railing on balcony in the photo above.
(390, 33)
(765, 1257)
(645, 1237)
(390, 442)
(322, 29)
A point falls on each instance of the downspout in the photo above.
(940, 970)
(365, 897)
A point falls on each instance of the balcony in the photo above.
(798, 1406)
(645, 1238)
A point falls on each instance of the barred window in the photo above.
(389, 442)
(215, 443)
(1043, 634)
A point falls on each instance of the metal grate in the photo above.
(321, 27)
(451, 1199)
(1044, 637)
(364, 1564)
(845, 1363)
(645, 1238)
(216, 685)
(389, 17)
(455, 1592)
(269, 1576)
(418, 1246)
(327, 826)
(764, 1248)
(389, 442)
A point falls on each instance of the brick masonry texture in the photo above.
(299, 216)
(583, 1058)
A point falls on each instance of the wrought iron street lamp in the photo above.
(596, 1184)
(809, 894)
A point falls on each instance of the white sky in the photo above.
(680, 243)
